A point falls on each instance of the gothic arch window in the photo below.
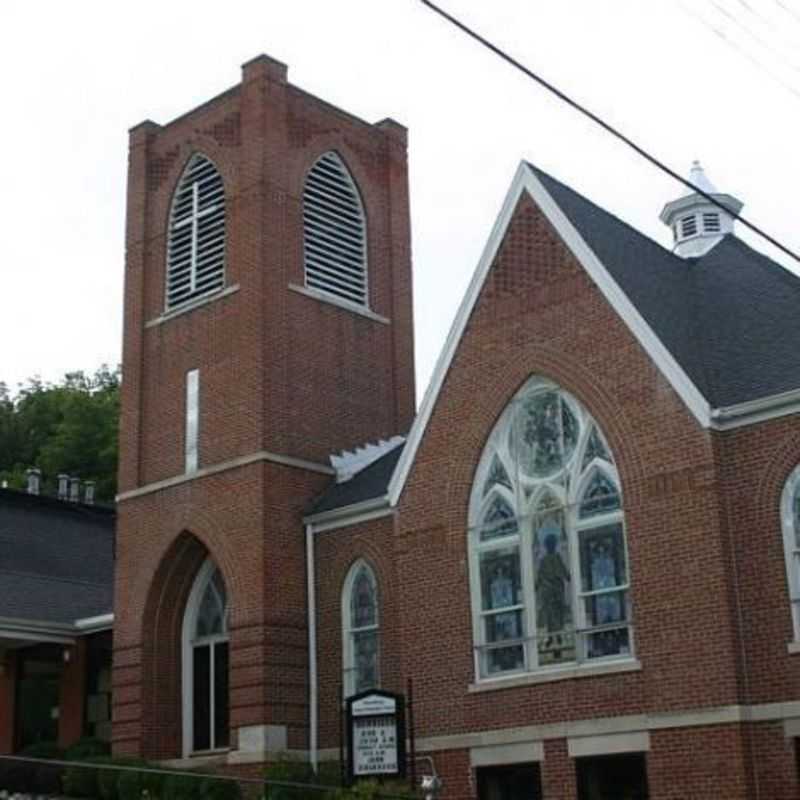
(334, 232)
(360, 629)
(548, 553)
(790, 522)
(205, 663)
(196, 241)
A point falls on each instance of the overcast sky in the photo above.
(717, 80)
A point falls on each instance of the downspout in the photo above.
(313, 711)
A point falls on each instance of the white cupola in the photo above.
(697, 224)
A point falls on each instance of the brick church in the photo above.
(583, 546)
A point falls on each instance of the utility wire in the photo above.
(606, 126)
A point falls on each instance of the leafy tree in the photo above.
(70, 427)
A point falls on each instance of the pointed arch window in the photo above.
(334, 232)
(548, 555)
(196, 241)
(361, 629)
(790, 522)
(205, 663)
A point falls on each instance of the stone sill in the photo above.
(199, 303)
(561, 674)
(793, 647)
(324, 297)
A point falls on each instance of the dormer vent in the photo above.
(697, 223)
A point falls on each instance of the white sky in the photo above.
(77, 75)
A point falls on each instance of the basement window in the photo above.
(196, 243)
(334, 232)
(612, 777)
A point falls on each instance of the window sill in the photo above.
(210, 758)
(324, 297)
(201, 301)
(793, 648)
(559, 674)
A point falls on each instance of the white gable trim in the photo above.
(525, 180)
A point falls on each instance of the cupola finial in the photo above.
(698, 224)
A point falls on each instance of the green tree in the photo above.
(69, 427)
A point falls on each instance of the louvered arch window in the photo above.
(334, 232)
(196, 244)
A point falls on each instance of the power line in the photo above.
(606, 126)
(738, 48)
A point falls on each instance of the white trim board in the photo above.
(525, 180)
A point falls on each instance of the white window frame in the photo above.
(193, 220)
(349, 665)
(791, 550)
(188, 643)
(498, 444)
(317, 263)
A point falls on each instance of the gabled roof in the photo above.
(56, 559)
(731, 318)
(722, 329)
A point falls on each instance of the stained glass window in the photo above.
(790, 520)
(601, 495)
(548, 559)
(499, 520)
(361, 643)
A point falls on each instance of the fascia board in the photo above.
(349, 515)
(101, 622)
(36, 630)
(526, 180)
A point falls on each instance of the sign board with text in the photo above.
(376, 735)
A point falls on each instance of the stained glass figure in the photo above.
(497, 476)
(499, 520)
(363, 605)
(365, 647)
(500, 578)
(551, 581)
(595, 449)
(600, 496)
(545, 434)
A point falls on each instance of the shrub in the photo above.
(82, 781)
(108, 779)
(181, 787)
(218, 789)
(130, 784)
(87, 748)
(42, 778)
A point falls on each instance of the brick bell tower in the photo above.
(268, 324)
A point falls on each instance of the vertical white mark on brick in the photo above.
(192, 418)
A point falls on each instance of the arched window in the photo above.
(548, 557)
(790, 522)
(205, 663)
(360, 629)
(334, 232)
(196, 242)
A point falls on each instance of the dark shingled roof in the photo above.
(731, 318)
(56, 558)
(369, 483)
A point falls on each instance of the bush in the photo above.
(181, 787)
(130, 784)
(218, 789)
(82, 781)
(108, 779)
(86, 749)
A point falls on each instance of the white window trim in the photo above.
(173, 309)
(791, 552)
(192, 429)
(187, 658)
(498, 441)
(348, 631)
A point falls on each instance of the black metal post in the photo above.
(412, 733)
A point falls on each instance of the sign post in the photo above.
(376, 735)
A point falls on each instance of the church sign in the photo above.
(376, 735)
